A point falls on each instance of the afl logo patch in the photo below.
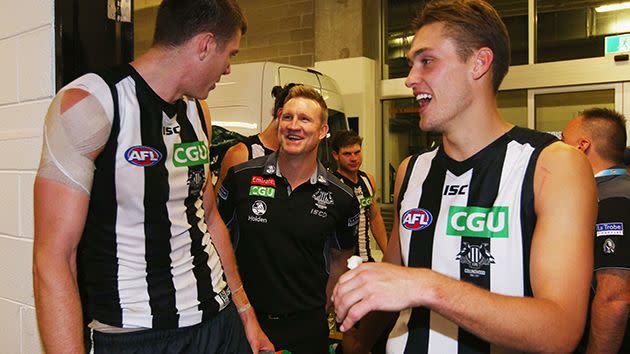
(143, 156)
(416, 219)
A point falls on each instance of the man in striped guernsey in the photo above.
(494, 227)
(124, 215)
(346, 150)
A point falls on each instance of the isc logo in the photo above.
(143, 156)
(170, 130)
(416, 219)
(453, 189)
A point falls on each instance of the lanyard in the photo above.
(612, 172)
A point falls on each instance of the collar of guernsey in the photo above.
(612, 172)
(272, 167)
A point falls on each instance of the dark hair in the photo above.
(472, 24)
(279, 93)
(179, 20)
(608, 128)
(345, 138)
(311, 94)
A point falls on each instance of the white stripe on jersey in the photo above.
(132, 285)
(443, 333)
(510, 250)
(398, 336)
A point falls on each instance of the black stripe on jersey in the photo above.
(405, 182)
(202, 118)
(420, 250)
(103, 208)
(484, 188)
(202, 273)
(157, 225)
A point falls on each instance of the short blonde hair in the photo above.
(311, 94)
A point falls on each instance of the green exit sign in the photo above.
(617, 44)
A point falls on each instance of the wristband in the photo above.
(244, 308)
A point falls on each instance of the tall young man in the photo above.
(346, 150)
(494, 227)
(600, 134)
(294, 226)
(123, 211)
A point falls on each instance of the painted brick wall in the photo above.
(278, 30)
(27, 72)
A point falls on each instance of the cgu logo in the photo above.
(190, 154)
(416, 219)
(143, 156)
(478, 222)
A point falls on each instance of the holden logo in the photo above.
(259, 207)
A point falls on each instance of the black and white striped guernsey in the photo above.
(364, 192)
(471, 220)
(255, 147)
(146, 258)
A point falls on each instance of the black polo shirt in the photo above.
(282, 237)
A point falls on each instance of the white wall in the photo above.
(357, 80)
(27, 73)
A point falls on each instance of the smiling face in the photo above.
(300, 127)
(440, 80)
(349, 158)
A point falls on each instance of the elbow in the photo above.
(563, 340)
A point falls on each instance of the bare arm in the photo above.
(60, 213)
(338, 266)
(609, 311)
(377, 225)
(552, 320)
(235, 155)
(222, 243)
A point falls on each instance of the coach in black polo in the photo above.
(292, 221)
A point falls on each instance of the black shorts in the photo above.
(222, 334)
(300, 333)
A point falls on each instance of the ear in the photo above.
(482, 62)
(584, 144)
(335, 155)
(323, 131)
(205, 44)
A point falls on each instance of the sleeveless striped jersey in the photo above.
(471, 220)
(255, 147)
(146, 258)
(364, 193)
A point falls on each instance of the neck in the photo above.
(297, 169)
(269, 136)
(165, 82)
(599, 165)
(350, 175)
(473, 130)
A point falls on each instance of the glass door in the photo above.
(550, 109)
